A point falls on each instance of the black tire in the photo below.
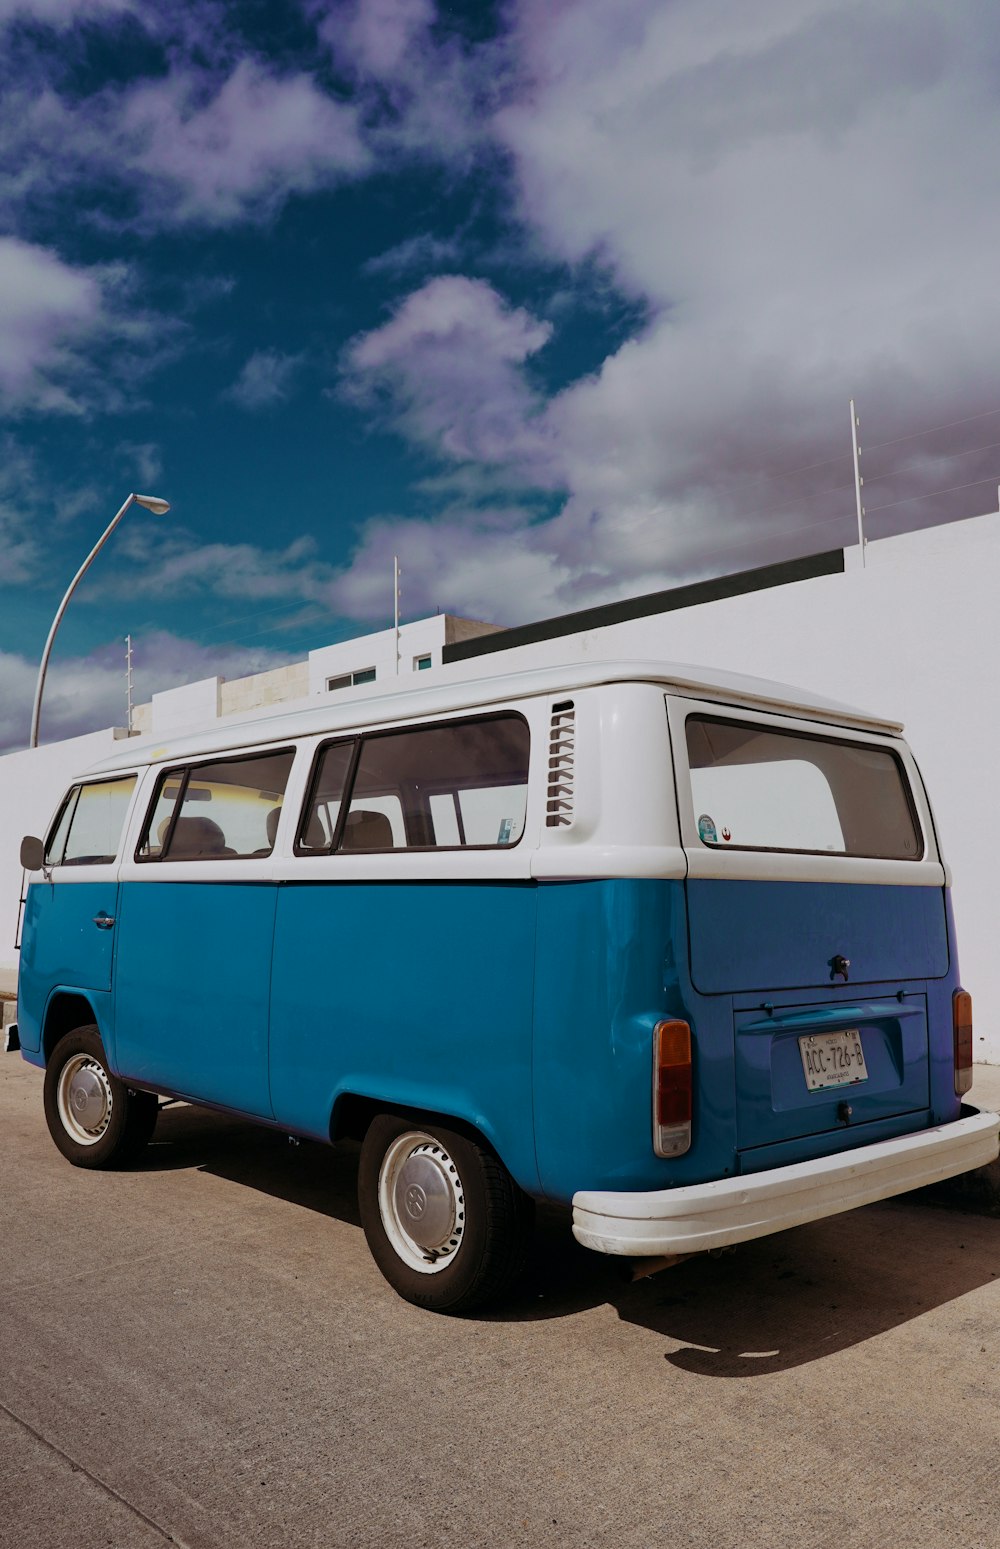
(93, 1117)
(472, 1220)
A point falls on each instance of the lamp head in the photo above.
(153, 503)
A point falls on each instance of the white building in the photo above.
(913, 634)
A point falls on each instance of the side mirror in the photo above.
(32, 853)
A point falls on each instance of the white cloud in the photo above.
(58, 326)
(802, 196)
(221, 155)
(480, 563)
(49, 308)
(145, 460)
(18, 544)
(197, 146)
(379, 37)
(425, 92)
(266, 379)
(87, 693)
(799, 191)
(422, 251)
(35, 509)
(169, 562)
(448, 366)
(61, 13)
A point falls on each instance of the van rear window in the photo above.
(758, 789)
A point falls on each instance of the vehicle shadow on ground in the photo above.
(764, 1307)
(803, 1295)
(304, 1173)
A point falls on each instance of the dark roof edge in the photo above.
(829, 563)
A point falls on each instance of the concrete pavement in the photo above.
(201, 1352)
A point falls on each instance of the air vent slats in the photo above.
(562, 765)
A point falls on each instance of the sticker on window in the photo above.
(706, 830)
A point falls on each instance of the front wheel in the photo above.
(445, 1222)
(94, 1119)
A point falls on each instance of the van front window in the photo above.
(90, 824)
(758, 789)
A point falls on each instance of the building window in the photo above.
(421, 663)
(351, 679)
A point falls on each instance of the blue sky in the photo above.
(559, 301)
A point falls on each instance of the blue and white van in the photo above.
(671, 945)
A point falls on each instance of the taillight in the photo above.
(962, 1019)
(672, 1100)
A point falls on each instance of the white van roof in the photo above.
(390, 700)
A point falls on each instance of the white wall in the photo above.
(424, 637)
(176, 710)
(915, 635)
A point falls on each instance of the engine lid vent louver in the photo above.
(562, 765)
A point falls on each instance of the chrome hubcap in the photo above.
(422, 1202)
(84, 1099)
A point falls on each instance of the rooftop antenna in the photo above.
(858, 485)
(396, 573)
(129, 681)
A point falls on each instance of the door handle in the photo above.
(104, 921)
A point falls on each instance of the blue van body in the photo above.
(518, 993)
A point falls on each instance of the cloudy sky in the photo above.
(559, 300)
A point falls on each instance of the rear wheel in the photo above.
(446, 1224)
(93, 1117)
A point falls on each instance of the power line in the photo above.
(874, 446)
(935, 457)
(908, 499)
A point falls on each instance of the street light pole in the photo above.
(152, 503)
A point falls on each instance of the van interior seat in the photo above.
(197, 836)
(365, 830)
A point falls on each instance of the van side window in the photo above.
(758, 789)
(450, 786)
(319, 824)
(226, 810)
(89, 827)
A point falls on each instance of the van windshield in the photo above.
(758, 789)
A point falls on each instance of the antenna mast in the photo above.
(858, 485)
(129, 681)
(396, 573)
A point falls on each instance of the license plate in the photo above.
(833, 1059)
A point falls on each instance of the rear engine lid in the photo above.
(805, 1069)
(773, 936)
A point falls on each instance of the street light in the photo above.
(152, 503)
